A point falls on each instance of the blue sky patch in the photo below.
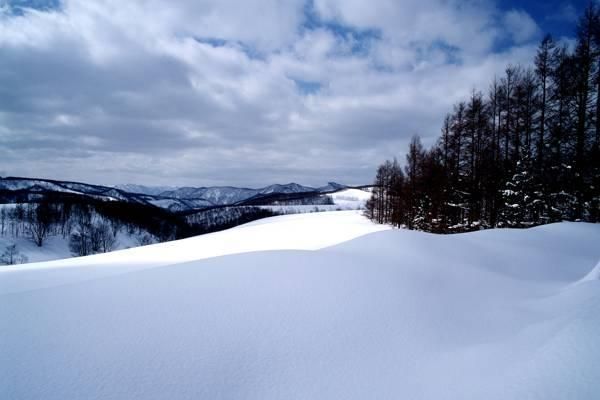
(359, 40)
(557, 17)
(17, 7)
(251, 51)
(307, 87)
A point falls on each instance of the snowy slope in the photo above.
(499, 314)
(290, 232)
(346, 199)
(351, 198)
(55, 247)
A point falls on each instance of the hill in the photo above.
(317, 306)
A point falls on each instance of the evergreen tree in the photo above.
(523, 198)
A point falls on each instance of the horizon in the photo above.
(118, 185)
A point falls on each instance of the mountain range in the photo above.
(176, 199)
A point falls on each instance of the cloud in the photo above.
(521, 26)
(222, 92)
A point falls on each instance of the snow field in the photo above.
(312, 306)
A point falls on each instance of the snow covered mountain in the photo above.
(173, 199)
(149, 190)
(313, 306)
(227, 195)
(27, 186)
(332, 187)
(221, 195)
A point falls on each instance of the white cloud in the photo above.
(521, 26)
(206, 92)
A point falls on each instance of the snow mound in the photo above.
(289, 232)
(593, 275)
(364, 314)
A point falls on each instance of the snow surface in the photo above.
(54, 248)
(593, 275)
(347, 199)
(391, 314)
(307, 208)
(355, 198)
(290, 232)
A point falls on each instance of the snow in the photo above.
(290, 232)
(347, 199)
(307, 208)
(593, 275)
(54, 248)
(311, 306)
(354, 198)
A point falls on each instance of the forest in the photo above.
(525, 152)
(91, 225)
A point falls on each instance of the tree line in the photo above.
(525, 153)
(89, 229)
(92, 225)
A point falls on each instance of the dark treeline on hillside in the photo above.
(92, 225)
(61, 214)
(524, 153)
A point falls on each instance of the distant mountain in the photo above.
(332, 187)
(183, 199)
(24, 188)
(150, 190)
(217, 195)
(288, 188)
(228, 195)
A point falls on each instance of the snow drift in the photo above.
(305, 313)
(593, 275)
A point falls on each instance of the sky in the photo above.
(247, 93)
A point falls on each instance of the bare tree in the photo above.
(11, 256)
(39, 221)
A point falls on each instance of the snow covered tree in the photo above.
(523, 198)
